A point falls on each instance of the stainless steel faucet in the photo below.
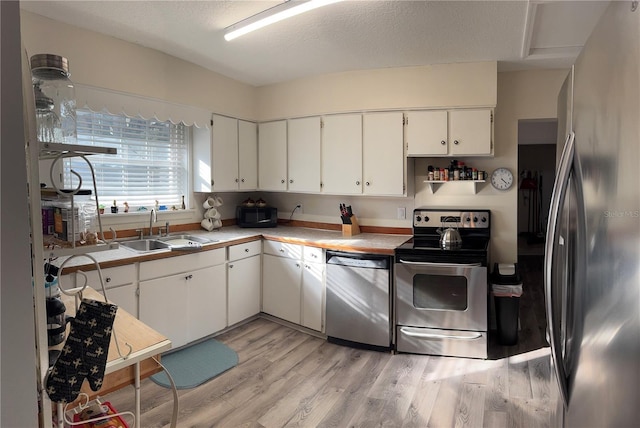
(152, 219)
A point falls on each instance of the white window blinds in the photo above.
(151, 164)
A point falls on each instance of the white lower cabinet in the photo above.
(313, 289)
(293, 283)
(119, 283)
(243, 281)
(190, 303)
(281, 287)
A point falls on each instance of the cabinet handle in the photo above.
(282, 250)
(367, 183)
(456, 142)
(282, 181)
(237, 180)
(242, 180)
(246, 250)
(108, 279)
(230, 266)
(290, 181)
(188, 277)
(357, 183)
(297, 265)
(443, 142)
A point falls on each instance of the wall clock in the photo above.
(502, 179)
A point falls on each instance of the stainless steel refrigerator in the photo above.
(592, 257)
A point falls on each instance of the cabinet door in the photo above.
(470, 132)
(224, 153)
(342, 154)
(202, 158)
(206, 308)
(304, 154)
(244, 288)
(281, 287)
(272, 155)
(163, 303)
(125, 297)
(383, 154)
(427, 133)
(248, 155)
(312, 295)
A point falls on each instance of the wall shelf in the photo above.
(471, 185)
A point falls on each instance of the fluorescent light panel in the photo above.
(273, 15)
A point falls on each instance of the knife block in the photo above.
(351, 229)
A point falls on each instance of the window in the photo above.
(151, 164)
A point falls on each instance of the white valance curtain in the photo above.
(99, 99)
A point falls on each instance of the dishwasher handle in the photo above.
(358, 260)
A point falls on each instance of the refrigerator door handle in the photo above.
(557, 198)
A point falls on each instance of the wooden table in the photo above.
(133, 365)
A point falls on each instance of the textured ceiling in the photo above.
(350, 35)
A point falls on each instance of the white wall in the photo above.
(444, 85)
(17, 335)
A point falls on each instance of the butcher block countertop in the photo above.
(375, 243)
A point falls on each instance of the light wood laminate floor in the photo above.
(288, 378)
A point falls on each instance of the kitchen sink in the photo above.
(146, 245)
(185, 239)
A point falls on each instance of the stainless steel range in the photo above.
(441, 290)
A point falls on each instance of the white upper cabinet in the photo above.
(224, 153)
(383, 154)
(272, 155)
(427, 133)
(304, 154)
(449, 133)
(470, 132)
(342, 154)
(248, 155)
(225, 158)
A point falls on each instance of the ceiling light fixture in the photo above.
(275, 14)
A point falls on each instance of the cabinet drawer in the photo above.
(313, 255)
(175, 265)
(112, 277)
(241, 251)
(283, 249)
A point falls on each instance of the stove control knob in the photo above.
(484, 219)
(475, 219)
(418, 218)
(426, 219)
(467, 219)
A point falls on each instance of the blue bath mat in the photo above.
(196, 364)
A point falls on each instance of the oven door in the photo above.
(441, 309)
(441, 295)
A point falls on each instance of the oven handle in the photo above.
(414, 333)
(441, 264)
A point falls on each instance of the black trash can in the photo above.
(506, 286)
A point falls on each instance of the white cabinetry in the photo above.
(281, 276)
(272, 155)
(313, 288)
(243, 281)
(304, 154)
(119, 282)
(383, 154)
(449, 133)
(184, 297)
(293, 283)
(226, 157)
(342, 154)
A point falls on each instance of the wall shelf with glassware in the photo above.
(471, 185)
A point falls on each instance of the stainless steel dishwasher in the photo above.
(358, 299)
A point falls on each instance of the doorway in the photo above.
(536, 174)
